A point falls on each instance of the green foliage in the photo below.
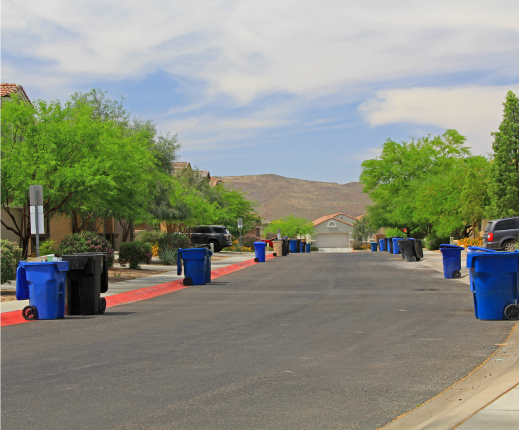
(357, 244)
(504, 170)
(168, 256)
(395, 232)
(432, 242)
(87, 242)
(314, 248)
(417, 185)
(48, 247)
(291, 226)
(362, 229)
(164, 240)
(11, 254)
(134, 253)
(248, 241)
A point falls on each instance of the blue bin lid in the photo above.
(397, 238)
(260, 244)
(447, 246)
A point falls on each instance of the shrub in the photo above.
(466, 242)
(163, 240)
(366, 247)
(87, 242)
(271, 236)
(134, 253)
(356, 244)
(433, 241)
(168, 256)
(248, 241)
(11, 254)
(48, 247)
(314, 248)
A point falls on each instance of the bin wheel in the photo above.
(256, 260)
(512, 312)
(274, 254)
(30, 313)
(102, 305)
(188, 281)
(456, 274)
(413, 258)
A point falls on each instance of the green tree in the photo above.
(392, 179)
(291, 226)
(362, 229)
(504, 171)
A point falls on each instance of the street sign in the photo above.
(36, 195)
(41, 224)
(240, 223)
(279, 234)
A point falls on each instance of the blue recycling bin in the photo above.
(259, 249)
(308, 246)
(302, 247)
(374, 246)
(195, 265)
(494, 283)
(44, 285)
(209, 254)
(293, 245)
(382, 243)
(451, 260)
(396, 248)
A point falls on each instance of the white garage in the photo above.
(333, 231)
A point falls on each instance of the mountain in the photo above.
(279, 196)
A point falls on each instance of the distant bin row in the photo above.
(493, 276)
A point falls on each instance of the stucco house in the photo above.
(333, 231)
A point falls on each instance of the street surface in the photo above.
(308, 341)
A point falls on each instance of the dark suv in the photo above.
(501, 234)
(217, 234)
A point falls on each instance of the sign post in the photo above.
(279, 234)
(240, 226)
(36, 212)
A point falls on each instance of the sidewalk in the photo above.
(488, 398)
(169, 275)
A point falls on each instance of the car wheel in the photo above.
(216, 246)
(509, 246)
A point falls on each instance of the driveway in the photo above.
(308, 341)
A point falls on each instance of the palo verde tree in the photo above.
(504, 169)
(291, 226)
(362, 229)
(392, 179)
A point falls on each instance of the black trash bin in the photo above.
(418, 249)
(411, 249)
(389, 245)
(298, 245)
(286, 247)
(87, 278)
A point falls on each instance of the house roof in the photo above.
(180, 165)
(214, 181)
(334, 217)
(204, 174)
(8, 89)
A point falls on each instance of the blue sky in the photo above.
(296, 88)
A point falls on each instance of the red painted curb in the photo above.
(15, 317)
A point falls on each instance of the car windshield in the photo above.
(488, 227)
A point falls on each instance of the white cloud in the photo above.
(474, 111)
(247, 48)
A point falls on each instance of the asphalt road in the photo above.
(309, 341)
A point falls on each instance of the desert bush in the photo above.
(271, 236)
(134, 253)
(162, 240)
(314, 248)
(168, 256)
(433, 241)
(356, 244)
(11, 254)
(87, 242)
(248, 241)
(48, 247)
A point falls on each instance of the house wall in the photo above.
(7, 234)
(324, 234)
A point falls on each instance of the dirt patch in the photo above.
(120, 274)
(8, 295)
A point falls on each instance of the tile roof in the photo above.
(334, 216)
(204, 173)
(214, 181)
(8, 89)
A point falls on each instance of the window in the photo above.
(204, 230)
(506, 224)
(332, 224)
(219, 230)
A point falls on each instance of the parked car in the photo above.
(501, 234)
(218, 235)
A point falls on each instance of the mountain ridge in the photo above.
(279, 196)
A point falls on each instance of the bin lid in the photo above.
(260, 244)
(447, 246)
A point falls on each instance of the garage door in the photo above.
(335, 240)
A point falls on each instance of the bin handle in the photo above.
(179, 264)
